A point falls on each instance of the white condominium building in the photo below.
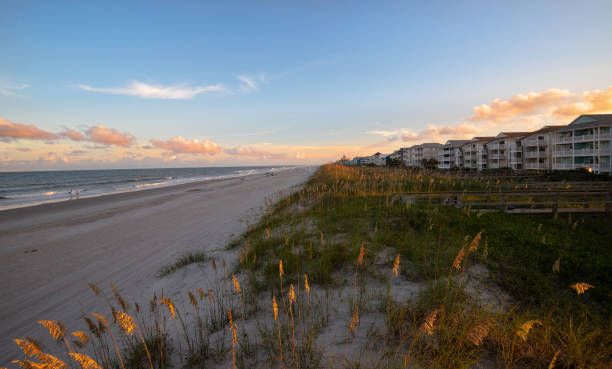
(537, 148)
(450, 154)
(475, 153)
(505, 151)
(424, 151)
(584, 143)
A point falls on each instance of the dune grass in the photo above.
(189, 257)
(346, 231)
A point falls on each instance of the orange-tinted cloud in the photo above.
(10, 130)
(183, 145)
(109, 136)
(534, 102)
(72, 134)
(595, 101)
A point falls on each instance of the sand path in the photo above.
(121, 239)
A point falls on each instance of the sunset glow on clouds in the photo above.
(521, 111)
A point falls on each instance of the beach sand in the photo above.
(50, 252)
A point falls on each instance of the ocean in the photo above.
(20, 189)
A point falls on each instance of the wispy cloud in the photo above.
(182, 145)
(250, 83)
(8, 89)
(150, 91)
(254, 152)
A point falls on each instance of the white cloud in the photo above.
(7, 89)
(250, 83)
(148, 91)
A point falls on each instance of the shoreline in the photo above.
(52, 251)
(170, 184)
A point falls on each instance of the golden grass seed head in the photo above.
(556, 265)
(192, 299)
(291, 294)
(551, 365)
(236, 284)
(478, 332)
(275, 308)
(85, 361)
(124, 305)
(83, 338)
(95, 289)
(170, 305)
(429, 323)
(459, 259)
(125, 321)
(354, 319)
(30, 347)
(201, 293)
(361, 254)
(55, 329)
(306, 285)
(523, 331)
(280, 269)
(396, 264)
(581, 288)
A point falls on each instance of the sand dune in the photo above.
(50, 252)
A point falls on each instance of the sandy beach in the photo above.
(50, 252)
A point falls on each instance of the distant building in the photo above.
(584, 143)
(422, 152)
(505, 151)
(475, 153)
(450, 154)
(537, 148)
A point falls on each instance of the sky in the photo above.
(130, 84)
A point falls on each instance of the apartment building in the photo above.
(584, 143)
(537, 148)
(475, 153)
(450, 154)
(425, 151)
(505, 151)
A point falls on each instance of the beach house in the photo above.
(537, 148)
(475, 153)
(450, 154)
(584, 143)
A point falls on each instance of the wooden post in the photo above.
(608, 204)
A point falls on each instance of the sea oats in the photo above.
(581, 288)
(201, 293)
(354, 320)
(429, 323)
(361, 254)
(236, 284)
(30, 347)
(459, 259)
(475, 242)
(524, 329)
(551, 365)
(170, 305)
(211, 298)
(556, 265)
(95, 289)
(192, 299)
(291, 294)
(478, 332)
(125, 321)
(124, 305)
(85, 361)
(83, 338)
(275, 308)
(306, 283)
(55, 329)
(280, 269)
(396, 265)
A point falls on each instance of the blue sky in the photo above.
(285, 82)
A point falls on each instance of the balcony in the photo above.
(563, 166)
(536, 166)
(562, 140)
(533, 142)
(497, 156)
(562, 153)
(586, 152)
(583, 138)
(533, 154)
